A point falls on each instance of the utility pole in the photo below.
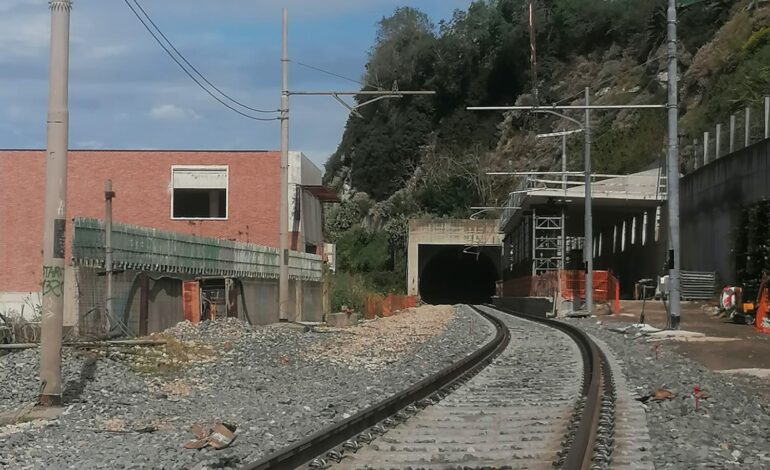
(109, 194)
(54, 221)
(532, 46)
(589, 230)
(673, 170)
(283, 281)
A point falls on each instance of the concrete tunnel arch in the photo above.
(453, 260)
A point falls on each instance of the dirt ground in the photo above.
(746, 348)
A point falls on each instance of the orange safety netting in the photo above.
(376, 305)
(570, 284)
(762, 319)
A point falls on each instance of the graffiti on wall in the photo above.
(53, 281)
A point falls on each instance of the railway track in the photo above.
(538, 395)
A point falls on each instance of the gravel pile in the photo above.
(731, 428)
(133, 407)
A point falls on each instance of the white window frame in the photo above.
(226, 168)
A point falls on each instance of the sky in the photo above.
(126, 93)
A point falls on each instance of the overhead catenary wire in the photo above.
(187, 72)
(333, 74)
(149, 18)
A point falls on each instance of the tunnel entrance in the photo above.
(450, 276)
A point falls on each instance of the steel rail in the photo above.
(581, 451)
(318, 444)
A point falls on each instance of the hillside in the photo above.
(429, 156)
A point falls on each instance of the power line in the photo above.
(318, 69)
(187, 72)
(195, 69)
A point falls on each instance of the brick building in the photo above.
(229, 195)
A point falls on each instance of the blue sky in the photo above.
(125, 92)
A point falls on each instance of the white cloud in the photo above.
(24, 35)
(171, 112)
(9, 5)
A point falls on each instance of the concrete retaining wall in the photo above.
(540, 306)
(712, 198)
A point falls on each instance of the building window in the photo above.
(623, 237)
(633, 231)
(199, 192)
(600, 243)
(615, 238)
(644, 229)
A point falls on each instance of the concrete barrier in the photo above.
(540, 306)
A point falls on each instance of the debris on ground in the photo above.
(658, 395)
(221, 435)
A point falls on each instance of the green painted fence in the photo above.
(149, 249)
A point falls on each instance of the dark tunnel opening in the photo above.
(453, 277)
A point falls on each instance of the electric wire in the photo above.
(318, 69)
(187, 72)
(168, 41)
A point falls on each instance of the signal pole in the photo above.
(54, 221)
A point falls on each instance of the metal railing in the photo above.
(740, 130)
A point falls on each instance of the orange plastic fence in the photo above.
(373, 306)
(762, 319)
(606, 287)
(571, 284)
(376, 305)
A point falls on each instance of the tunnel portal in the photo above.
(452, 274)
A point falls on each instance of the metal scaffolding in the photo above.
(548, 246)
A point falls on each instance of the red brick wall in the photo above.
(141, 180)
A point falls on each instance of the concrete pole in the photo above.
(589, 233)
(767, 117)
(747, 127)
(534, 242)
(673, 169)
(54, 219)
(705, 148)
(564, 163)
(283, 282)
(563, 215)
(732, 133)
(718, 152)
(108, 195)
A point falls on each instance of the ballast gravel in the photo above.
(132, 408)
(729, 429)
